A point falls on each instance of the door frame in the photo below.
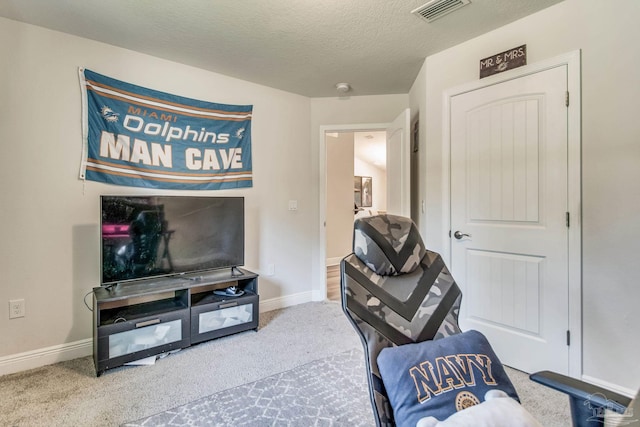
(401, 123)
(574, 198)
(322, 202)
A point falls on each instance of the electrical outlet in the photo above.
(16, 308)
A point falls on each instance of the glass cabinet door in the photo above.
(143, 338)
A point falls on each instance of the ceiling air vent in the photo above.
(438, 8)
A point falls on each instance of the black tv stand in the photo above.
(135, 320)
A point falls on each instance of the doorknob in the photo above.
(458, 235)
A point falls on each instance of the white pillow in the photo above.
(497, 410)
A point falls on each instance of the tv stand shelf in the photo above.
(140, 319)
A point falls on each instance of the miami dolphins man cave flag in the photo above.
(140, 137)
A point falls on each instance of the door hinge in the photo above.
(566, 99)
(568, 337)
(568, 219)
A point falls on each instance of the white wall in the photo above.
(606, 32)
(49, 251)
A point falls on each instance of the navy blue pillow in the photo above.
(438, 378)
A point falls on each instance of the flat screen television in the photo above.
(153, 236)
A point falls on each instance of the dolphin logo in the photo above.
(109, 115)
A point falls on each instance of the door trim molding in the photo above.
(572, 61)
(405, 161)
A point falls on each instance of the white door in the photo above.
(398, 165)
(509, 236)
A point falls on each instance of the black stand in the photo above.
(235, 272)
(145, 318)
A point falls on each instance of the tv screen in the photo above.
(150, 236)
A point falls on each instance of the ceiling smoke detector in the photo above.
(438, 8)
(343, 87)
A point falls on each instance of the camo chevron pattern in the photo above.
(396, 308)
(388, 244)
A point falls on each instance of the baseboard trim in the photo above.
(285, 301)
(319, 296)
(45, 356)
(73, 350)
(333, 261)
(610, 386)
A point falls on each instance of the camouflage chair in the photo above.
(395, 292)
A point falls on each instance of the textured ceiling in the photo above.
(300, 46)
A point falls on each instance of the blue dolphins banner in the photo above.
(140, 137)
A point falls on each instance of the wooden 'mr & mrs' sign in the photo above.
(512, 58)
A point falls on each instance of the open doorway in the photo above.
(356, 186)
(394, 196)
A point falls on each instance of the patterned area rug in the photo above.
(323, 393)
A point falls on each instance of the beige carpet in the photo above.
(69, 394)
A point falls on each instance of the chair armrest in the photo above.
(596, 396)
